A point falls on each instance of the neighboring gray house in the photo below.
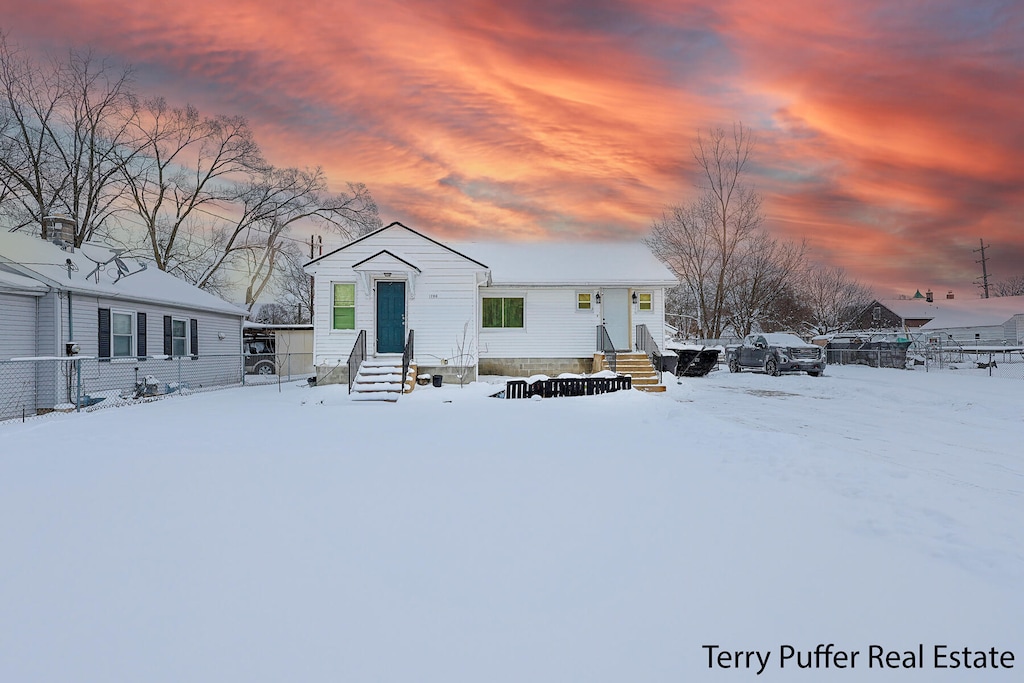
(509, 308)
(117, 312)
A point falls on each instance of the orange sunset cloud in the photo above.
(889, 134)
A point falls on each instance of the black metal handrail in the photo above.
(645, 342)
(605, 346)
(407, 356)
(356, 358)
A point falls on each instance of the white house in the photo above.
(502, 309)
(56, 300)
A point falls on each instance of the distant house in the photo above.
(56, 300)
(995, 321)
(508, 309)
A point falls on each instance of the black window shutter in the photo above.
(104, 333)
(140, 321)
(194, 329)
(167, 335)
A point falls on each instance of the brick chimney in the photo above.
(59, 228)
(929, 297)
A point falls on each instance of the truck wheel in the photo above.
(771, 367)
(734, 365)
(265, 368)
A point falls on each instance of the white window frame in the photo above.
(187, 337)
(590, 304)
(355, 299)
(133, 344)
(504, 295)
(639, 301)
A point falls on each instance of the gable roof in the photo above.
(385, 258)
(394, 226)
(628, 264)
(48, 264)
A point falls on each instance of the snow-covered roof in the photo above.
(575, 263)
(48, 264)
(249, 325)
(784, 339)
(949, 313)
(20, 283)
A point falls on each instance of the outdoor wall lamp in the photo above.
(597, 298)
(635, 298)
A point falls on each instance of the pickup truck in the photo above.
(776, 353)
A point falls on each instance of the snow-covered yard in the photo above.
(256, 535)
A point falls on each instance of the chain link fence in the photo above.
(36, 386)
(1005, 363)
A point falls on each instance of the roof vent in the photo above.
(949, 294)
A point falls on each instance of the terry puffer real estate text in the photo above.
(829, 656)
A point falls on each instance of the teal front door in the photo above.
(390, 317)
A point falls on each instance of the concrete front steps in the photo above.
(380, 379)
(637, 366)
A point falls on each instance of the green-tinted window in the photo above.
(645, 301)
(503, 312)
(583, 301)
(344, 307)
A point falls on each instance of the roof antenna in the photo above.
(122, 268)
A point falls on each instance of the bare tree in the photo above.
(293, 287)
(63, 135)
(833, 298)
(700, 241)
(31, 97)
(184, 167)
(272, 201)
(764, 269)
(94, 141)
(1013, 286)
(464, 356)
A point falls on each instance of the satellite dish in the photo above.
(122, 269)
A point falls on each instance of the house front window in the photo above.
(583, 301)
(503, 311)
(179, 337)
(122, 334)
(344, 317)
(645, 302)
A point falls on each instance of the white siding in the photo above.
(444, 297)
(554, 328)
(1013, 330)
(439, 300)
(17, 325)
(17, 339)
(989, 334)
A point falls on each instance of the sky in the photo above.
(889, 135)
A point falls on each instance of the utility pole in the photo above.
(315, 243)
(984, 265)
